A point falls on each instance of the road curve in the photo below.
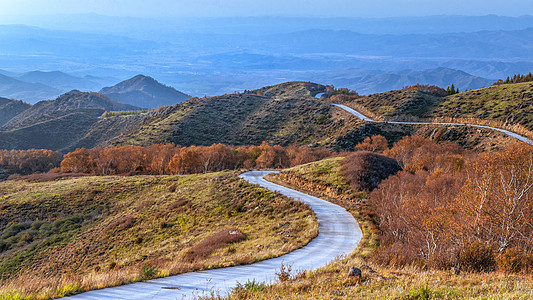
(365, 118)
(339, 234)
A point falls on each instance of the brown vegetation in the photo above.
(26, 162)
(163, 159)
(447, 210)
(364, 170)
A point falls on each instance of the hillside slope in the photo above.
(144, 91)
(65, 104)
(511, 103)
(287, 114)
(59, 124)
(86, 233)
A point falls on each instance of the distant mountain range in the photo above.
(30, 92)
(144, 91)
(61, 81)
(215, 60)
(35, 86)
(377, 82)
(141, 91)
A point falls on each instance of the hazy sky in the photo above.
(216, 8)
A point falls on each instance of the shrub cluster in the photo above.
(453, 208)
(169, 159)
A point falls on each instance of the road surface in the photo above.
(339, 234)
(365, 118)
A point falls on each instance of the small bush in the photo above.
(213, 242)
(511, 261)
(250, 287)
(147, 272)
(284, 273)
(365, 170)
(477, 257)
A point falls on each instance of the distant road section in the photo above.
(365, 118)
(339, 234)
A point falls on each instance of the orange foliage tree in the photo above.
(169, 159)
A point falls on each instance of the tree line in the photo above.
(517, 78)
(27, 162)
(163, 159)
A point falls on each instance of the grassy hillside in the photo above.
(511, 103)
(69, 235)
(63, 105)
(243, 119)
(58, 133)
(70, 121)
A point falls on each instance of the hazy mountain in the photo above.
(443, 77)
(144, 91)
(59, 80)
(213, 62)
(165, 27)
(30, 92)
(11, 108)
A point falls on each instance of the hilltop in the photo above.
(144, 91)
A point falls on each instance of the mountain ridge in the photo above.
(144, 91)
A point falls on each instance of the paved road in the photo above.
(365, 118)
(339, 234)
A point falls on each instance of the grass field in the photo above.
(70, 235)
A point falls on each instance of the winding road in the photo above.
(339, 234)
(365, 118)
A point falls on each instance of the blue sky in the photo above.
(217, 8)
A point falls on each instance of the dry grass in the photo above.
(107, 231)
(332, 282)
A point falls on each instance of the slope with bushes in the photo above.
(73, 119)
(445, 210)
(284, 115)
(76, 234)
(511, 103)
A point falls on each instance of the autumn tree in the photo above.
(376, 143)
